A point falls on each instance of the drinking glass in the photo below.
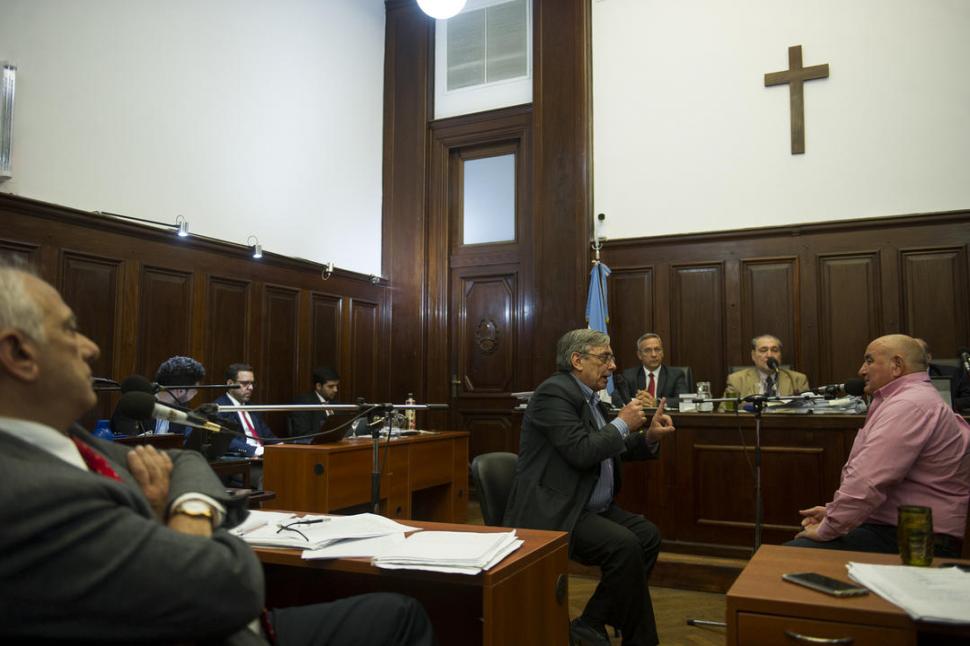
(914, 533)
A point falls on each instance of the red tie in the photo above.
(652, 387)
(94, 461)
(249, 427)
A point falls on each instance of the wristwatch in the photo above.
(195, 509)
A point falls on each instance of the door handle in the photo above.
(455, 383)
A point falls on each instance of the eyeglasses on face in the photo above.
(605, 357)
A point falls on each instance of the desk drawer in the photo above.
(771, 630)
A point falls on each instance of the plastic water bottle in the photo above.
(103, 430)
(410, 413)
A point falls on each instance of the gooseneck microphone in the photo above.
(139, 405)
(854, 386)
(772, 364)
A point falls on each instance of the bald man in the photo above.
(912, 450)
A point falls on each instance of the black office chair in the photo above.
(492, 475)
(688, 375)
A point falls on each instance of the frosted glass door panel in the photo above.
(489, 200)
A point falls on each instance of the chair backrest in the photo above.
(492, 474)
(687, 375)
(944, 367)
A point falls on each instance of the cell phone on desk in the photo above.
(826, 584)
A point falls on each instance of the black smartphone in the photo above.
(825, 584)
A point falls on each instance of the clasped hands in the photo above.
(813, 517)
(636, 418)
(152, 469)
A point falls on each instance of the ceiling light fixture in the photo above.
(441, 9)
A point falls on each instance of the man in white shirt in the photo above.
(243, 378)
(651, 381)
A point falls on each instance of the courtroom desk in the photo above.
(761, 607)
(423, 476)
(700, 490)
(522, 600)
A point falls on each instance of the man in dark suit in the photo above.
(959, 380)
(651, 380)
(177, 376)
(108, 543)
(568, 474)
(242, 378)
(326, 385)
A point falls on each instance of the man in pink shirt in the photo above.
(913, 450)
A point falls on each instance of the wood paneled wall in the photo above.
(144, 295)
(826, 290)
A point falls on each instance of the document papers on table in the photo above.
(453, 552)
(939, 595)
(276, 529)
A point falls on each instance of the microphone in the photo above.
(137, 384)
(772, 364)
(139, 405)
(854, 386)
(965, 359)
(621, 386)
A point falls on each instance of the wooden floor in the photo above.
(672, 607)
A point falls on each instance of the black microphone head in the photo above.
(137, 405)
(772, 363)
(137, 383)
(855, 386)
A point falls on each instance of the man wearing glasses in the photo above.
(568, 475)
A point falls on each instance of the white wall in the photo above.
(245, 116)
(687, 138)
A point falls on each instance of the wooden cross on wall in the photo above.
(795, 76)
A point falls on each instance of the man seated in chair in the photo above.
(326, 386)
(568, 474)
(105, 543)
(912, 450)
(766, 376)
(651, 381)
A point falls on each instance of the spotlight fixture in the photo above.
(327, 272)
(253, 242)
(441, 9)
(374, 279)
(181, 226)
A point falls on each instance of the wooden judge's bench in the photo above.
(700, 491)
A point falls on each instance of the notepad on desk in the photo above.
(939, 595)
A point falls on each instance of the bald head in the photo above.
(891, 357)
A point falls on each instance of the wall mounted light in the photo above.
(374, 279)
(253, 242)
(181, 226)
(8, 82)
(327, 272)
(441, 9)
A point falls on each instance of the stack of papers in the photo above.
(276, 529)
(452, 552)
(939, 595)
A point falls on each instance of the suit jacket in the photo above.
(560, 454)
(670, 382)
(748, 382)
(959, 386)
(239, 444)
(83, 557)
(305, 423)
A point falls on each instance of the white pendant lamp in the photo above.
(441, 9)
